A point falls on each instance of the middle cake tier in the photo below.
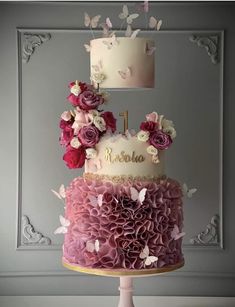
(124, 157)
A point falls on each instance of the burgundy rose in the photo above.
(89, 136)
(110, 120)
(66, 124)
(89, 100)
(76, 99)
(148, 126)
(160, 140)
(75, 158)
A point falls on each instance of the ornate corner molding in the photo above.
(210, 43)
(30, 236)
(209, 236)
(30, 42)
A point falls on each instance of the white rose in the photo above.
(167, 123)
(155, 159)
(170, 131)
(66, 115)
(91, 153)
(152, 150)
(160, 121)
(75, 89)
(143, 136)
(98, 77)
(99, 122)
(92, 114)
(75, 143)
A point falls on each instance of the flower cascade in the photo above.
(82, 127)
(158, 132)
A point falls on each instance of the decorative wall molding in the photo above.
(210, 43)
(30, 236)
(30, 42)
(209, 236)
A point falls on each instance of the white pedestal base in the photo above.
(126, 291)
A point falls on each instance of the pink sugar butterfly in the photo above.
(145, 255)
(106, 26)
(154, 23)
(176, 234)
(64, 226)
(138, 196)
(91, 247)
(91, 22)
(131, 34)
(96, 200)
(149, 50)
(94, 165)
(61, 193)
(125, 74)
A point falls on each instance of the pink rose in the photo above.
(153, 117)
(89, 136)
(75, 158)
(89, 100)
(110, 120)
(148, 126)
(160, 140)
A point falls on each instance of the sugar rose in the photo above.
(160, 140)
(76, 88)
(89, 136)
(75, 158)
(89, 100)
(148, 126)
(110, 120)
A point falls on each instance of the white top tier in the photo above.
(119, 156)
(125, 62)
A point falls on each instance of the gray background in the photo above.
(190, 89)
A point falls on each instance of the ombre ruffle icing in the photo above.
(122, 226)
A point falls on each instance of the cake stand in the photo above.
(126, 278)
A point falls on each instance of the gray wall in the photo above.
(193, 88)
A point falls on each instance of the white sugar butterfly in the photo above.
(145, 255)
(87, 47)
(188, 192)
(154, 23)
(139, 196)
(96, 200)
(91, 247)
(125, 15)
(149, 50)
(64, 226)
(125, 74)
(113, 41)
(131, 34)
(61, 193)
(91, 22)
(176, 234)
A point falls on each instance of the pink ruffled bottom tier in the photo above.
(113, 233)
